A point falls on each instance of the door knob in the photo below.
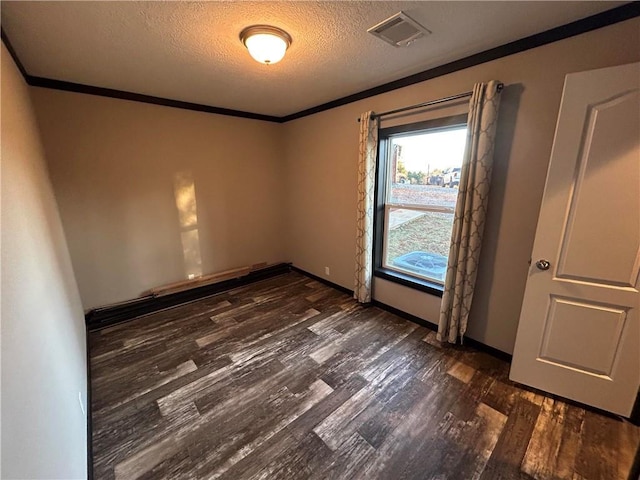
(543, 264)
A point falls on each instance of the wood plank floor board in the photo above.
(268, 376)
(125, 427)
(629, 435)
(132, 331)
(502, 397)
(164, 446)
(250, 328)
(130, 359)
(346, 461)
(249, 467)
(392, 375)
(340, 368)
(289, 378)
(572, 436)
(173, 467)
(299, 380)
(215, 449)
(297, 462)
(471, 396)
(145, 445)
(310, 419)
(220, 365)
(127, 432)
(416, 447)
(287, 412)
(342, 342)
(598, 456)
(507, 456)
(134, 424)
(408, 351)
(555, 442)
(333, 317)
(392, 411)
(144, 375)
(471, 443)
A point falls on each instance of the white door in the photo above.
(579, 333)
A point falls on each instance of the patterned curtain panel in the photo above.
(366, 185)
(471, 210)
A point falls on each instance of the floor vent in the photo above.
(399, 30)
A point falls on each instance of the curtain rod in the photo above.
(430, 103)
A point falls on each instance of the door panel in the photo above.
(602, 204)
(579, 332)
(600, 328)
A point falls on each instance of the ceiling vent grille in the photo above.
(399, 30)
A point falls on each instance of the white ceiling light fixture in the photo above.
(266, 44)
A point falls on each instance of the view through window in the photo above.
(422, 178)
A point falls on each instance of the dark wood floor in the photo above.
(288, 378)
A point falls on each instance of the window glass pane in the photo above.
(418, 242)
(422, 188)
(427, 159)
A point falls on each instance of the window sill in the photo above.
(409, 281)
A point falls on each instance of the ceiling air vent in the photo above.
(399, 30)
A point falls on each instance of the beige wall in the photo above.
(43, 338)
(321, 152)
(113, 165)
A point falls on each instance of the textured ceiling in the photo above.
(190, 51)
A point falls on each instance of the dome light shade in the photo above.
(266, 44)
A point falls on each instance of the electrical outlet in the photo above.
(327, 271)
(81, 403)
